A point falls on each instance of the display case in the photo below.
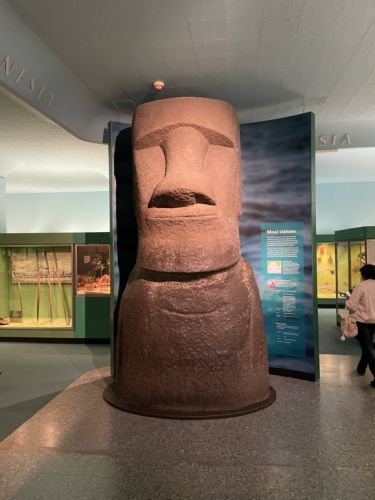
(93, 270)
(354, 248)
(55, 286)
(326, 269)
(36, 286)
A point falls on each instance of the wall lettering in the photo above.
(333, 140)
(21, 76)
(8, 65)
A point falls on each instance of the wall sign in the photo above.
(334, 140)
(283, 287)
(22, 76)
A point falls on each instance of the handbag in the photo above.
(348, 326)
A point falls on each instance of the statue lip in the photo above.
(180, 198)
(197, 211)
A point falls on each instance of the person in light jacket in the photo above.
(362, 305)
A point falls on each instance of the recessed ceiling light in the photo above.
(158, 84)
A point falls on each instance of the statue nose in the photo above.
(184, 184)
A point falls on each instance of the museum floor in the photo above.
(316, 441)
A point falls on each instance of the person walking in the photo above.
(362, 304)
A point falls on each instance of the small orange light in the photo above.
(158, 84)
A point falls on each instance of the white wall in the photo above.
(3, 216)
(344, 205)
(58, 212)
(339, 206)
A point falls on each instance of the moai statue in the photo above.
(190, 341)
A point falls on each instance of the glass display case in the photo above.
(36, 287)
(93, 269)
(354, 248)
(55, 285)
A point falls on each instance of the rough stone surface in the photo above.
(187, 179)
(190, 335)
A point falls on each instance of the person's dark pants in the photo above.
(365, 337)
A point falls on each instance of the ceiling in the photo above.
(268, 58)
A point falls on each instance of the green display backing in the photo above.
(29, 293)
(324, 238)
(356, 233)
(92, 317)
(29, 239)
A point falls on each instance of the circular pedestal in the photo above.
(111, 398)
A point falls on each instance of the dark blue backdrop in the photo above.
(278, 186)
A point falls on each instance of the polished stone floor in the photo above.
(317, 441)
(32, 374)
(329, 336)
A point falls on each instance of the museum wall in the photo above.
(58, 212)
(2, 205)
(339, 206)
(344, 205)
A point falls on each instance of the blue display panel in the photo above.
(276, 236)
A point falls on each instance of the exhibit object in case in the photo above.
(40, 294)
(93, 269)
(190, 337)
(326, 269)
(355, 247)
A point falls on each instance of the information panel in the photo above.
(283, 287)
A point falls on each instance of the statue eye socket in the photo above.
(157, 137)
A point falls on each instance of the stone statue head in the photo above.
(187, 184)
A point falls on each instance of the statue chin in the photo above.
(188, 245)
